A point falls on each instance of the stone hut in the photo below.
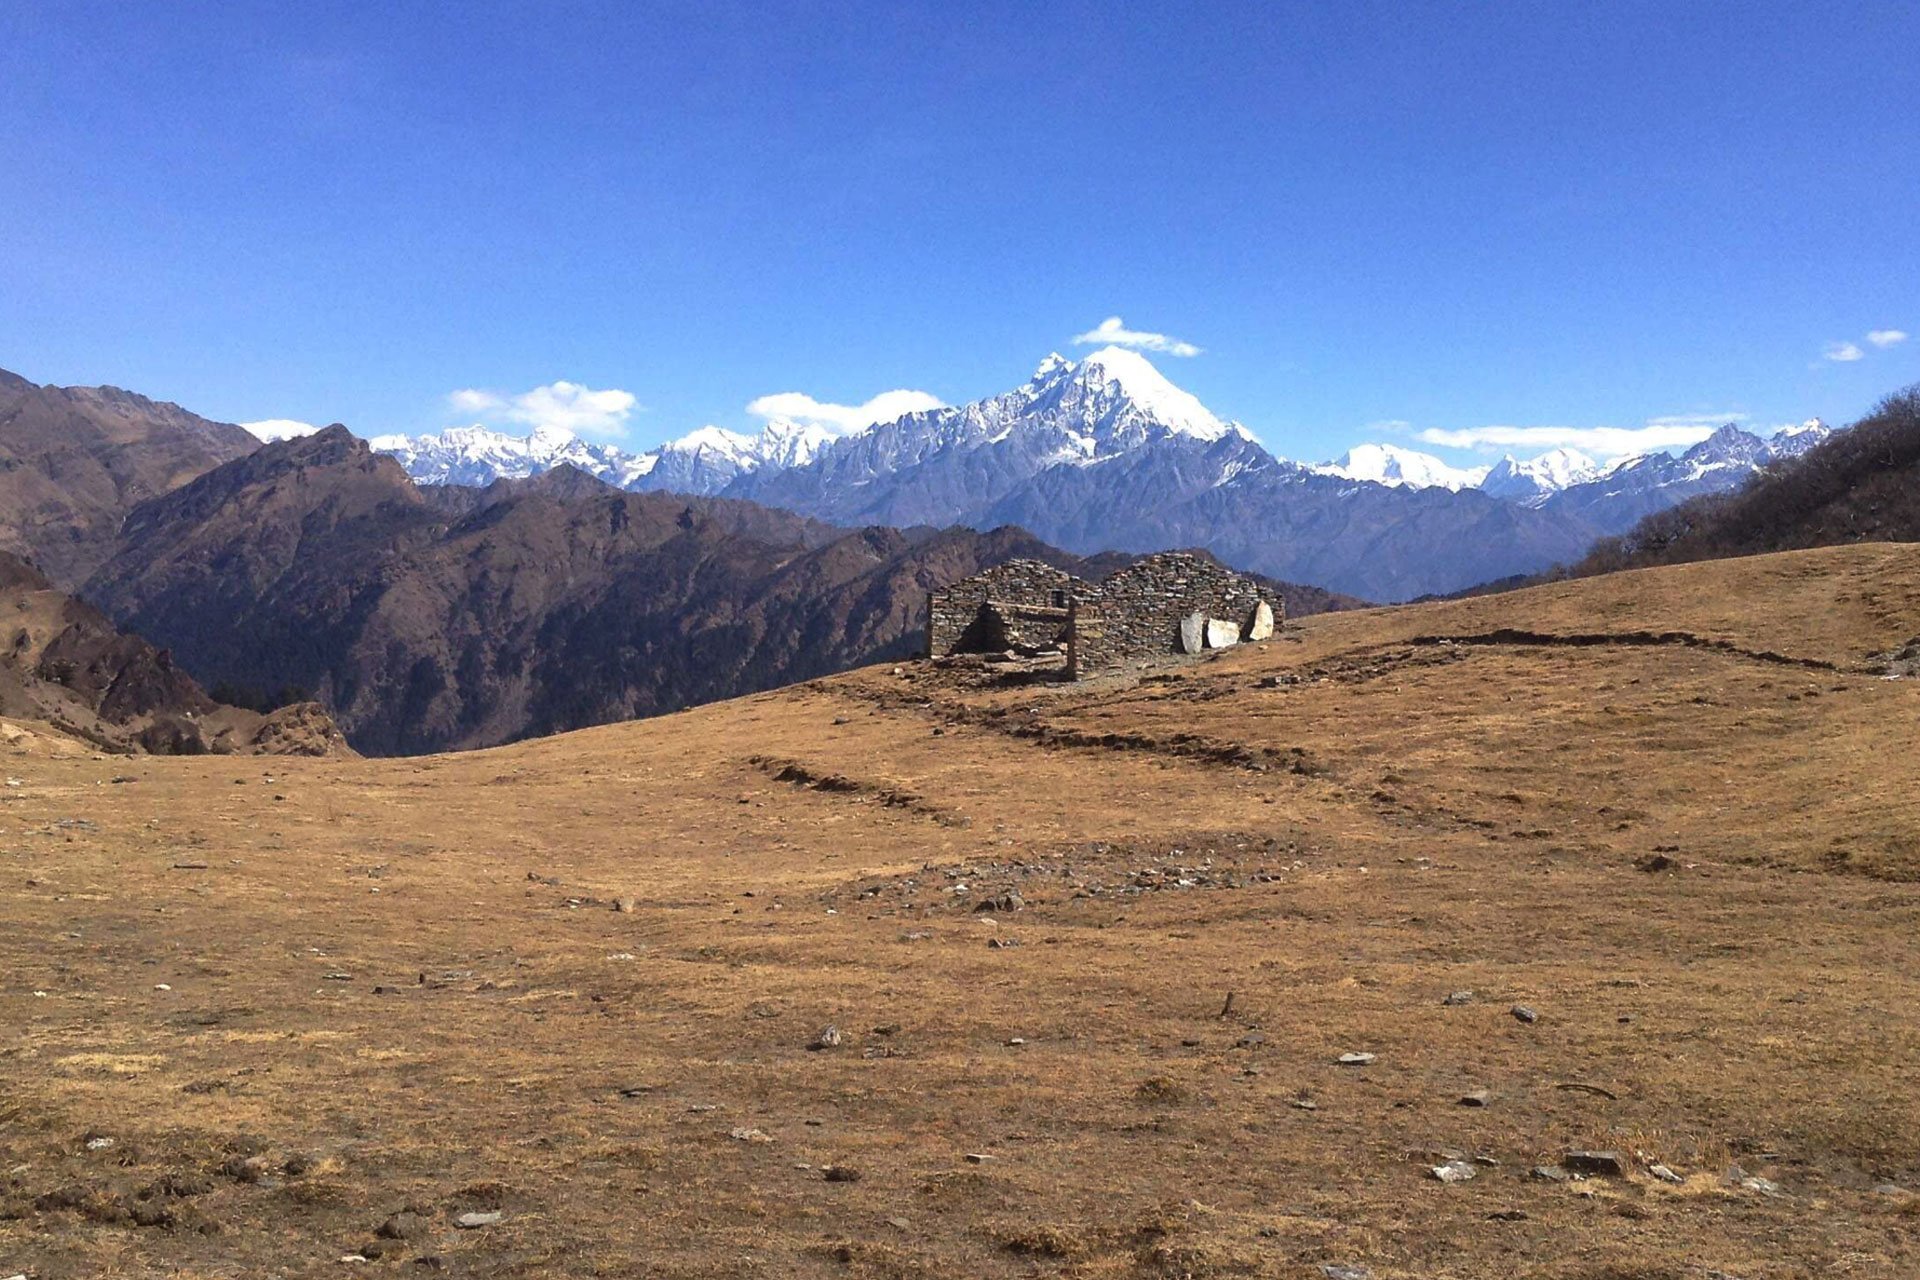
(1019, 604)
(1162, 604)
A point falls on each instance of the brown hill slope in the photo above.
(431, 619)
(63, 664)
(1862, 485)
(75, 460)
(573, 981)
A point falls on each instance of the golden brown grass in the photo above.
(405, 983)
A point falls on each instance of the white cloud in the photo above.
(279, 428)
(562, 406)
(1113, 332)
(1884, 338)
(1671, 432)
(842, 419)
(1842, 352)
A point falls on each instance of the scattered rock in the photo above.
(1655, 862)
(244, 1168)
(1303, 1104)
(1550, 1173)
(830, 1037)
(1015, 1042)
(100, 1143)
(978, 1157)
(1253, 1039)
(1889, 1189)
(1665, 1174)
(1458, 998)
(1261, 626)
(625, 906)
(1524, 1013)
(899, 1224)
(1337, 1271)
(1606, 1164)
(1765, 1186)
(1478, 1098)
(1507, 1215)
(405, 1225)
(1357, 1059)
(840, 1173)
(1453, 1171)
(474, 1221)
(1193, 633)
(744, 1134)
(1006, 903)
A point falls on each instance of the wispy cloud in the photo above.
(842, 419)
(1842, 352)
(1669, 432)
(1884, 338)
(279, 428)
(1113, 332)
(563, 406)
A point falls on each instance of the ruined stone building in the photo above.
(1161, 604)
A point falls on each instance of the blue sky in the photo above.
(1447, 217)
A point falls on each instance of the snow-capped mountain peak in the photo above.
(1400, 468)
(792, 444)
(1053, 364)
(715, 440)
(1791, 442)
(1129, 376)
(1533, 480)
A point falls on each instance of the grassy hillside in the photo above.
(324, 1009)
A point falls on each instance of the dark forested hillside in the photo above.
(1862, 485)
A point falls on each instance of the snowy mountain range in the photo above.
(703, 462)
(1106, 453)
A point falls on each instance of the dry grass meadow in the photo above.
(297, 1017)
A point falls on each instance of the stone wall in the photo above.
(1021, 602)
(1135, 613)
(1138, 610)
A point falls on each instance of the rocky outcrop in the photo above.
(74, 461)
(63, 664)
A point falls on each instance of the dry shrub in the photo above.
(1163, 1090)
(1048, 1240)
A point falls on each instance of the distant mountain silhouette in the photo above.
(75, 460)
